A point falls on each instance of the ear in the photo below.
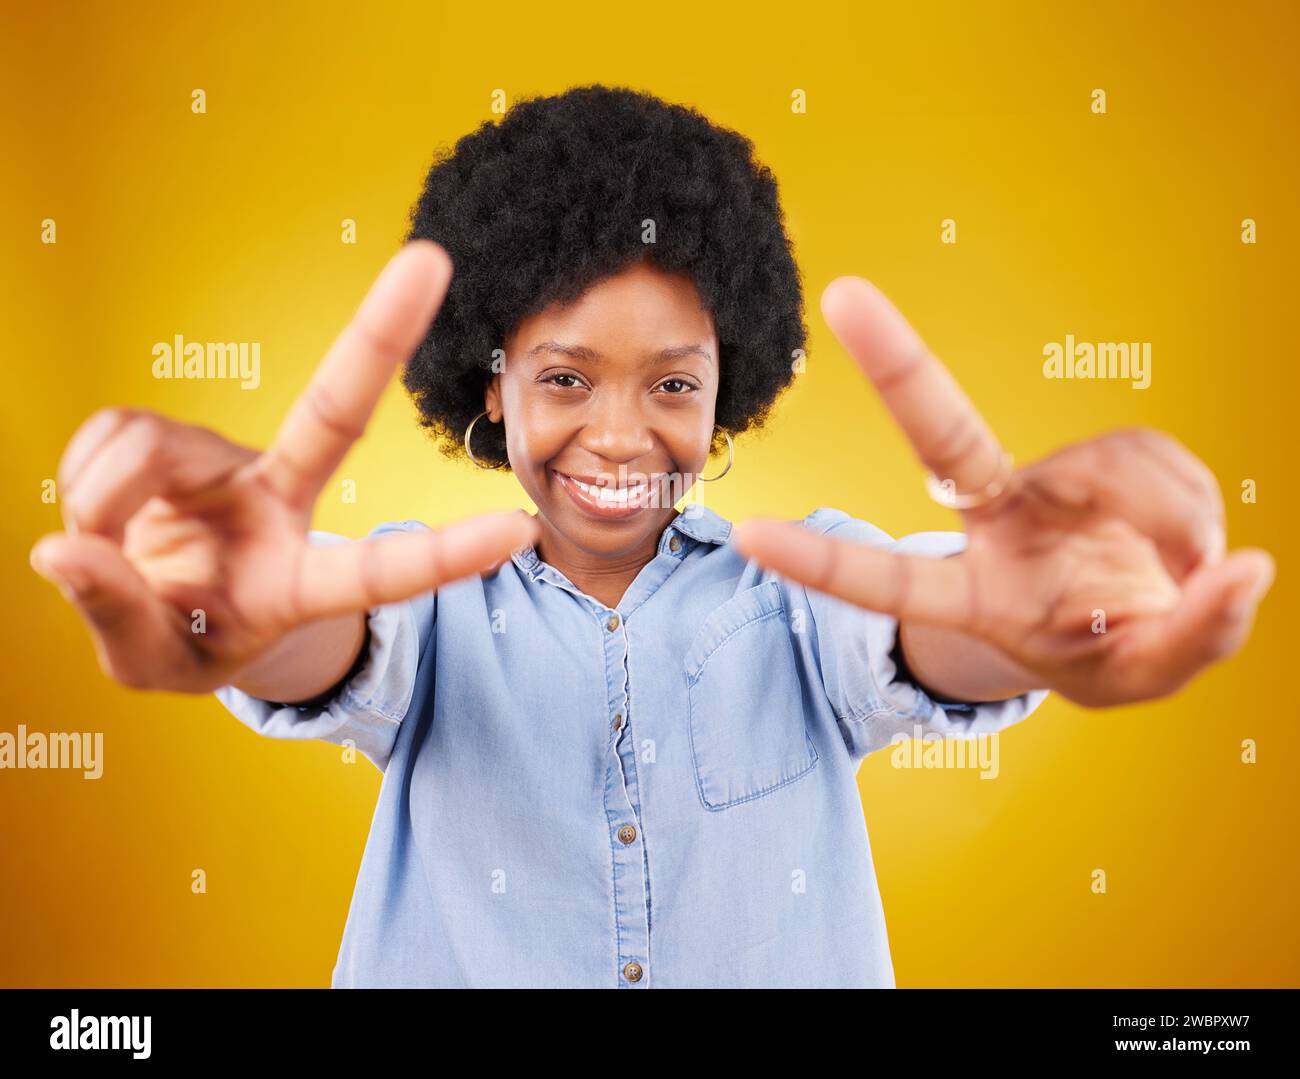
(492, 398)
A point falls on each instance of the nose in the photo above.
(616, 432)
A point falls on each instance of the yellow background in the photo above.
(226, 226)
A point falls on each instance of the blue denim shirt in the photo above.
(660, 794)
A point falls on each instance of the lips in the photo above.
(602, 500)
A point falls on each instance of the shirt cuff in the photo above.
(368, 708)
(902, 707)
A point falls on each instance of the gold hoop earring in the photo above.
(468, 430)
(731, 457)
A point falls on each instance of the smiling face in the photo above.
(608, 406)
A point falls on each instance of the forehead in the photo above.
(638, 307)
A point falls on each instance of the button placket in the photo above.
(629, 880)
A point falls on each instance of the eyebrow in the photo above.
(581, 352)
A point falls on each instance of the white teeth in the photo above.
(614, 496)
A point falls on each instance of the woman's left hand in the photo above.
(1099, 571)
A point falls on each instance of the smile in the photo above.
(608, 503)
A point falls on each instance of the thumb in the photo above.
(1210, 623)
(135, 639)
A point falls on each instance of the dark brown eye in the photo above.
(679, 382)
(560, 374)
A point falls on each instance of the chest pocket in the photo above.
(747, 732)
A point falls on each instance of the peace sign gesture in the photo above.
(163, 519)
(1098, 572)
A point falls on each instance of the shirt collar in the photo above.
(701, 523)
(695, 520)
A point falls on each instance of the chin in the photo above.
(609, 537)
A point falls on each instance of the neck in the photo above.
(600, 574)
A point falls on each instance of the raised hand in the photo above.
(163, 519)
(1100, 571)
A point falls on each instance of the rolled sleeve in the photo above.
(369, 707)
(873, 701)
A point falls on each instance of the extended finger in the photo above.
(331, 413)
(337, 578)
(946, 430)
(934, 590)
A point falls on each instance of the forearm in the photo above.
(307, 661)
(954, 666)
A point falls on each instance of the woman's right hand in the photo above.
(187, 555)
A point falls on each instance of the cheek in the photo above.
(535, 435)
(688, 443)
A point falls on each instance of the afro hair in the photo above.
(536, 208)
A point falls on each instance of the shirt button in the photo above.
(632, 972)
(627, 834)
(618, 720)
(612, 624)
(674, 544)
